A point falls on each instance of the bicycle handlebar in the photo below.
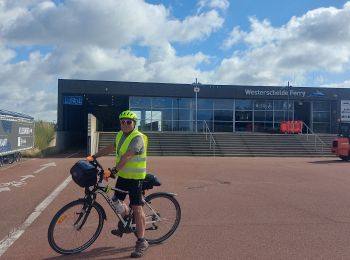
(101, 173)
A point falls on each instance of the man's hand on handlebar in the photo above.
(91, 158)
(110, 173)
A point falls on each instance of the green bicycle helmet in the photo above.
(128, 114)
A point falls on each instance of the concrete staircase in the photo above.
(289, 145)
(232, 144)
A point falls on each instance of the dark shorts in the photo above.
(134, 187)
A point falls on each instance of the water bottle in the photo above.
(118, 206)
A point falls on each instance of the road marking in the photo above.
(73, 154)
(22, 181)
(5, 189)
(45, 166)
(26, 177)
(15, 234)
(16, 184)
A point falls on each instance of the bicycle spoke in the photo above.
(72, 230)
(162, 217)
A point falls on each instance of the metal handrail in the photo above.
(207, 132)
(316, 137)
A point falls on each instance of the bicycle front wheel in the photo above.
(75, 227)
(163, 214)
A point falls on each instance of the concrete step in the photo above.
(231, 144)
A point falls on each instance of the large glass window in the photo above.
(280, 104)
(243, 104)
(182, 103)
(244, 115)
(223, 126)
(203, 103)
(140, 102)
(223, 104)
(321, 116)
(263, 116)
(282, 116)
(321, 127)
(182, 125)
(263, 127)
(244, 126)
(181, 114)
(223, 115)
(263, 105)
(321, 106)
(162, 102)
(206, 115)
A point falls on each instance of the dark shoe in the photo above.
(140, 249)
(117, 232)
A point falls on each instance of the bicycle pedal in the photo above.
(117, 232)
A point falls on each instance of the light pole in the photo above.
(288, 105)
(196, 89)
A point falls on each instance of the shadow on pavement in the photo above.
(329, 161)
(101, 253)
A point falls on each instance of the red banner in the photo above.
(294, 127)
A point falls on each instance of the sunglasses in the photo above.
(126, 122)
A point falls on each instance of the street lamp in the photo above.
(288, 96)
(196, 89)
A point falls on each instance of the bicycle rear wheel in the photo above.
(75, 227)
(163, 214)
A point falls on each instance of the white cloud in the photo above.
(91, 40)
(344, 84)
(316, 41)
(100, 40)
(218, 4)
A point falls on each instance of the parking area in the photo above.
(232, 208)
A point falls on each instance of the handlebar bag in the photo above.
(84, 173)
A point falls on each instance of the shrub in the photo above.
(44, 134)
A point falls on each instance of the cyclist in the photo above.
(131, 153)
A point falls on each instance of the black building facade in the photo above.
(193, 107)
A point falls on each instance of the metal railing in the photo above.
(206, 130)
(317, 139)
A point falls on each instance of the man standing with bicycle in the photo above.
(131, 155)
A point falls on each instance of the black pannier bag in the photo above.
(150, 181)
(84, 173)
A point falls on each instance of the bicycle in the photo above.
(77, 225)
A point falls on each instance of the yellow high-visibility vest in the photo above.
(135, 168)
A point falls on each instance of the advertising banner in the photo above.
(345, 111)
(15, 136)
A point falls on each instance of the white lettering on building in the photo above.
(25, 130)
(21, 141)
(280, 92)
(345, 110)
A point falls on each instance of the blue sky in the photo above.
(249, 42)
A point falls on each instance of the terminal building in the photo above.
(86, 105)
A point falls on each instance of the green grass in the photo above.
(44, 134)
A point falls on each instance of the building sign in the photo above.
(277, 92)
(73, 100)
(345, 110)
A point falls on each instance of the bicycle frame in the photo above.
(99, 188)
(91, 195)
(65, 226)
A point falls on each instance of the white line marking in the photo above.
(72, 154)
(44, 166)
(26, 177)
(5, 189)
(16, 233)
